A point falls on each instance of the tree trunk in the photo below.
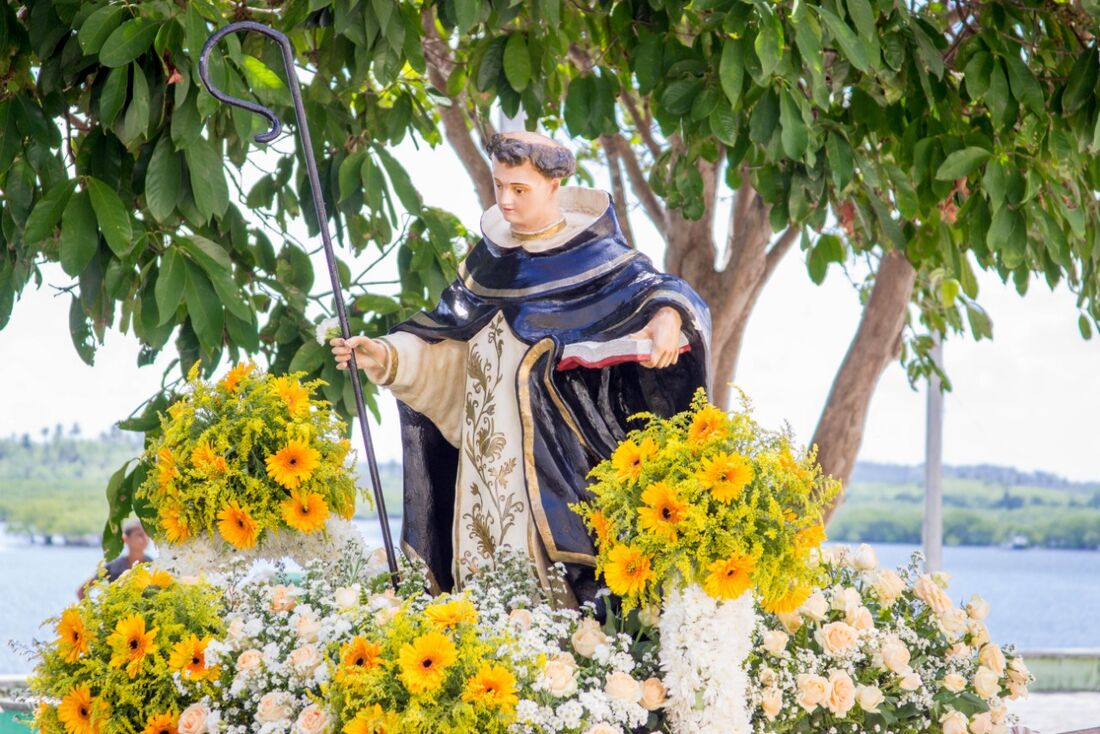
(877, 343)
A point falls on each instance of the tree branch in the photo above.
(779, 249)
(653, 207)
(618, 190)
(641, 124)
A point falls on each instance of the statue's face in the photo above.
(526, 198)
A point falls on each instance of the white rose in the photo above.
(977, 608)
(775, 642)
(846, 599)
(954, 622)
(837, 638)
(792, 621)
(307, 627)
(561, 675)
(888, 586)
(910, 681)
(249, 661)
(346, 598)
(521, 618)
(942, 579)
(653, 694)
(313, 720)
(865, 558)
(1018, 672)
(771, 703)
(842, 693)
(987, 683)
(273, 706)
(305, 659)
(622, 687)
(588, 637)
(895, 655)
(650, 616)
(954, 682)
(193, 719)
(954, 722)
(991, 657)
(282, 598)
(815, 607)
(981, 723)
(812, 690)
(861, 619)
(869, 698)
(931, 593)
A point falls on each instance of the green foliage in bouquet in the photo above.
(129, 657)
(713, 498)
(429, 669)
(247, 455)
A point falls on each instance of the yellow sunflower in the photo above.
(80, 712)
(359, 652)
(237, 526)
(305, 512)
(492, 686)
(294, 396)
(725, 475)
(166, 467)
(627, 570)
(452, 613)
(424, 662)
(789, 602)
(630, 457)
(708, 424)
(233, 379)
(161, 578)
(293, 464)
(72, 636)
(131, 644)
(188, 656)
(729, 578)
(175, 527)
(206, 461)
(373, 720)
(662, 512)
(166, 723)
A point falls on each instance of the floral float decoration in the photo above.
(693, 513)
(247, 458)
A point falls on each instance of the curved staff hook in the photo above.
(322, 221)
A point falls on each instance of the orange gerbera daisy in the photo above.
(131, 644)
(627, 570)
(373, 720)
(237, 526)
(206, 461)
(787, 603)
(729, 578)
(662, 512)
(424, 662)
(188, 656)
(602, 527)
(452, 613)
(725, 475)
(361, 653)
(305, 511)
(166, 467)
(630, 457)
(233, 379)
(294, 396)
(175, 527)
(80, 712)
(72, 635)
(810, 537)
(293, 464)
(166, 723)
(492, 686)
(709, 423)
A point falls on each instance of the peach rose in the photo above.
(910, 681)
(953, 623)
(991, 657)
(869, 698)
(1018, 672)
(561, 675)
(305, 659)
(842, 693)
(927, 590)
(249, 661)
(282, 598)
(1016, 690)
(653, 694)
(622, 687)
(954, 682)
(977, 608)
(812, 691)
(588, 637)
(837, 638)
(846, 599)
(981, 723)
(987, 683)
(865, 558)
(979, 633)
(767, 677)
(771, 703)
(313, 720)
(775, 642)
(895, 655)
(602, 728)
(273, 707)
(193, 719)
(888, 586)
(520, 618)
(815, 607)
(307, 627)
(860, 618)
(958, 651)
(792, 621)
(954, 722)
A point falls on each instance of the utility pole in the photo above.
(932, 531)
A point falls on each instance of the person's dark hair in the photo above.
(552, 161)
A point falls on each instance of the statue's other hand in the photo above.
(664, 331)
(370, 355)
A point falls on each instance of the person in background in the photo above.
(133, 535)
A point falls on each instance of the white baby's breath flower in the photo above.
(326, 330)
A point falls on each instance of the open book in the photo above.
(595, 355)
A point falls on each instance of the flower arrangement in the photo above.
(711, 498)
(129, 657)
(252, 455)
(878, 650)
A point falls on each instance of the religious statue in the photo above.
(518, 382)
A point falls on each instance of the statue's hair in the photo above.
(552, 161)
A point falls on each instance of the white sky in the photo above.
(1027, 399)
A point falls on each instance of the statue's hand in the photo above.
(370, 355)
(664, 331)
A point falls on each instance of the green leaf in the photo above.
(79, 236)
(962, 163)
(263, 79)
(769, 44)
(647, 62)
(846, 39)
(163, 180)
(347, 176)
(81, 334)
(113, 95)
(136, 120)
(1008, 236)
(208, 185)
(215, 262)
(795, 134)
(731, 71)
(807, 33)
(839, 155)
(488, 70)
(47, 212)
(1085, 326)
(399, 178)
(1025, 87)
(977, 74)
(1081, 85)
(96, 28)
(204, 308)
(309, 357)
(517, 62)
(169, 287)
(996, 97)
(128, 41)
(113, 219)
(466, 14)
(1054, 238)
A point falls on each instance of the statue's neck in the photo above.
(551, 218)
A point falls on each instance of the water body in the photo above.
(1040, 598)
